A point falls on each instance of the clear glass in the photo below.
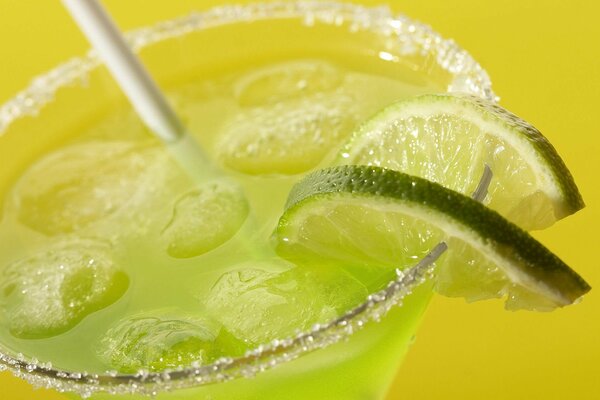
(352, 357)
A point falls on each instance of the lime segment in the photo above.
(447, 139)
(387, 219)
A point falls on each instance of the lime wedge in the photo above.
(448, 138)
(383, 218)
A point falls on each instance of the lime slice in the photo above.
(447, 139)
(384, 218)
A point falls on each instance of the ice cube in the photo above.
(286, 137)
(79, 185)
(292, 116)
(205, 218)
(257, 305)
(160, 340)
(50, 292)
(286, 80)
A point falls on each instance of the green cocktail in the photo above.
(116, 263)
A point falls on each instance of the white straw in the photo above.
(139, 87)
(134, 80)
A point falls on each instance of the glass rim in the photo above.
(413, 38)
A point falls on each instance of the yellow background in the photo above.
(544, 60)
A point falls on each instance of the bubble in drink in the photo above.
(50, 292)
(295, 114)
(258, 306)
(82, 184)
(160, 340)
(205, 218)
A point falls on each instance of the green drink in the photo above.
(112, 259)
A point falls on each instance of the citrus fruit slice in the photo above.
(383, 218)
(448, 138)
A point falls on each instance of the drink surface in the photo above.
(113, 259)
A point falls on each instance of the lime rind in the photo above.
(525, 262)
(553, 177)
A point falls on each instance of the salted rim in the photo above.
(412, 39)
